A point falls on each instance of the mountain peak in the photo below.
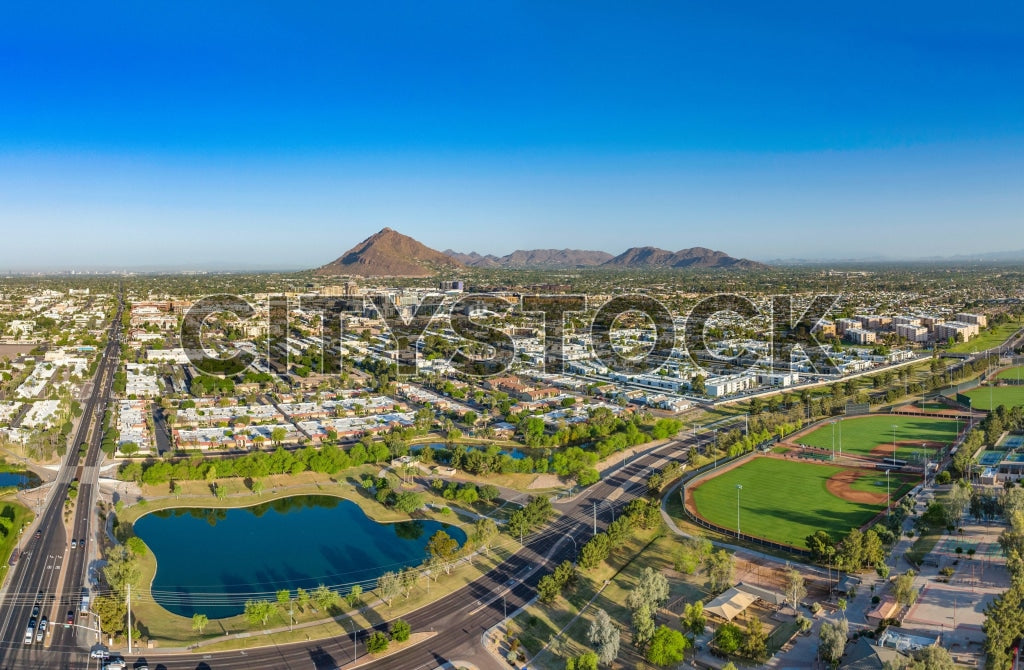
(388, 253)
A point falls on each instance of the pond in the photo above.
(211, 561)
(19, 480)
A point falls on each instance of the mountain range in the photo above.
(388, 253)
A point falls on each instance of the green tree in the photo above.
(354, 595)
(728, 638)
(484, 533)
(832, 640)
(258, 611)
(903, 588)
(934, 657)
(718, 567)
(113, 612)
(643, 626)
(377, 643)
(756, 644)
(652, 590)
(795, 589)
(389, 585)
(604, 636)
(694, 618)
(667, 646)
(821, 546)
(400, 630)
(324, 598)
(199, 622)
(121, 569)
(443, 547)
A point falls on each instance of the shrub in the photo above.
(377, 643)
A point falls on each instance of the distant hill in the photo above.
(533, 258)
(389, 254)
(696, 257)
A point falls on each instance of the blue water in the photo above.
(211, 561)
(21, 480)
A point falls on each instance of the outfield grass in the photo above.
(861, 435)
(987, 397)
(784, 501)
(1012, 373)
(989, 337)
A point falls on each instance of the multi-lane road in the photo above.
(49, 576)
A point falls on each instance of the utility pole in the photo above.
(129, 599)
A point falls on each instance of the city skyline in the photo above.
(246, 138)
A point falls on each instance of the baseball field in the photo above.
(874, 435)
(785, 500)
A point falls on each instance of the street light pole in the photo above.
(739, 487)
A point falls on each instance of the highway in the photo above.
(47, 559)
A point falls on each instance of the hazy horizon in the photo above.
(279, 136)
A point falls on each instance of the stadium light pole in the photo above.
(840, 439)
(739, 487)
(833, 440)
(888, 496)
(894, 445)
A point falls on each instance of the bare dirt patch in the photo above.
(840, 485)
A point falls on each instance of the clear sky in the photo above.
(279, 134)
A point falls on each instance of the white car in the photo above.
(100, 653)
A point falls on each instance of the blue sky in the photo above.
(278, 135)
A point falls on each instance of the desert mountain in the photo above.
(389, 254)
(533, 258)
(696, 257)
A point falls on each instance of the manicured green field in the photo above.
(987, 339)
(784, 500)
(1012, 373)
(987, 397)
(14, 516)
(861, 435)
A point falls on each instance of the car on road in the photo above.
(41, 631)
(71, 617)
(74, 544)
(39, 534)
(99, 653)
(116, 664)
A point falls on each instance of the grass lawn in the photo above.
(539, 622)
(18, 516)
(986, 397)
(862, 434)
(1012, 373)
(784, 501)
(990, 337)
